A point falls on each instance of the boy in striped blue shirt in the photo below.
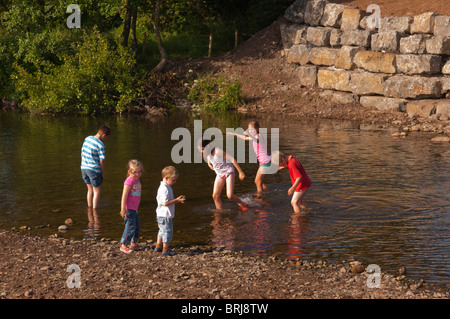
(92, 164)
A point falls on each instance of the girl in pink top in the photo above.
(131, 197)
(260, 148)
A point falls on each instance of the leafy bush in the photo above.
(215, 93)
(98, 77)
(6, 67)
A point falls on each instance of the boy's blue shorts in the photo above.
(91, 177)
(165, 229)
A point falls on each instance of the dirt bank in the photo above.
(36, 267)
(271, 86)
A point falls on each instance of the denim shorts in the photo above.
(91, 177)
(165, 229)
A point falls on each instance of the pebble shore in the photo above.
(33, 267)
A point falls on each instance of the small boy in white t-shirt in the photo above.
(165, 211)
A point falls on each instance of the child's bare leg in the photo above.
(230, 191)
(296, 201)
(96, 197)
(219, 183)
(258, 182)
(90, 194)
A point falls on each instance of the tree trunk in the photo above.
(126, 24)
(134, 43)
(161, 65)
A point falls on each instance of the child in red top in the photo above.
(300, 180)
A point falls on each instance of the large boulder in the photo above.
(386, 41)
(383, 103)
(442, 26)
(422, 108)
(332, 15)
(314, 11)
(296, 11)
(418, 64)
(307, 75)
(412, 87)
(376, 61)
(299, 53)
(414, 44)
(423, 23)
(351, 19)
(293, 34)
(446, 68)
(323, 56)
(345, 57)
(438, 45)
(319, 36)
(367, 83)
(360, 38)
(333, 79)
(399, 24)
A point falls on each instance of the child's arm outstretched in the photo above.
(244, 137)
(247, 136)
(179, 199)
(123, 204)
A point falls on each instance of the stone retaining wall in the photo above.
(387, 65)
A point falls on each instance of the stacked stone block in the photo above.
(401, 60)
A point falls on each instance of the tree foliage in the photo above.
(47, 67)
(98, 78)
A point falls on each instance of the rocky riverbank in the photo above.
(272, 86)
(45, 268)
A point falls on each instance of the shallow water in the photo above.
(380, 199)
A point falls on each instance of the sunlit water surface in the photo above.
(382, 200)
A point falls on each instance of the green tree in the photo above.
(98, 78)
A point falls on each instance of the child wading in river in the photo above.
(260, 148)
(92, 164)
(300, 180)
(131, 197)
(223, 164)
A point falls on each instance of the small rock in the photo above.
(358, 268)
(441, 139)
(402, 270)
(63, 228)
(68, 222)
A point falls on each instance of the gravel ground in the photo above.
(37, 267)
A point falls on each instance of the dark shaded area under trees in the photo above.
(101, 67)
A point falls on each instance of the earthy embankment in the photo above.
(37, 267)
(271, 85)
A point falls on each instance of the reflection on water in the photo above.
(379, 199)
(93, 230)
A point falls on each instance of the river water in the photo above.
(379, 199)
